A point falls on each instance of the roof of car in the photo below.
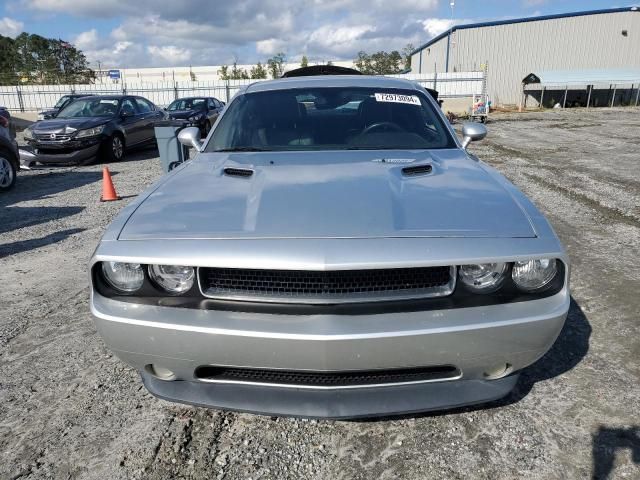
(331, 81)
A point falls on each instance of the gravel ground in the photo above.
(69, 409)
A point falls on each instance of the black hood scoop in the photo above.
(238, 172)
(416, 170)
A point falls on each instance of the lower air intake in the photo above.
(310, 379)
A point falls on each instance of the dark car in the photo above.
(63, 102)
(105, 125)
(9, 158)
(200, 112)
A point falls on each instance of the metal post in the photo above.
(20, 100)
(613, 97)
(637, 94)
(541, 98)
(175, 90)
(227, 91)
(589, 87)
(564, 102)
(435, 81)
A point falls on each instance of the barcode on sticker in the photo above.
(395, 98)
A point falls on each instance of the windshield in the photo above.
(61, 102)
(91, 107)
(187, 104)
(330, 119)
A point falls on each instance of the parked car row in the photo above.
(80, 128)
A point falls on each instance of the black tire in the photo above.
(8, 171)
(113, 148)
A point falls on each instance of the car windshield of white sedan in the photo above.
(330, 119)
(97, 107)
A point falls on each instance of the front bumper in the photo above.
(68, 152)
(474, 340)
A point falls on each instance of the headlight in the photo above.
(90, 132)
(125, 277)
(194, 118)
(28, 133)
(172, 278)
(482, 278)
(534, 274)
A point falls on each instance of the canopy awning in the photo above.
(583, 77)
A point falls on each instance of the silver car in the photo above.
(332, 251)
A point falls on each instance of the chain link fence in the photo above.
(29, 98)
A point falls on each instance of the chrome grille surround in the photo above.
(326, 287)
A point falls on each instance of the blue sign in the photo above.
(114, 74)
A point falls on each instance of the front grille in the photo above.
(46, 137)
(302, 286)
(309, 379)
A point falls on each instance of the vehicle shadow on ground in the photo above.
(568, 350)
(14, 217)
(141, 153)
(607, 441)
(20, 246)
(34, 187)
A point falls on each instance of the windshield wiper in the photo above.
(242, 149)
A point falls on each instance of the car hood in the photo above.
(343, 194)
(183, 113)
(58, 125)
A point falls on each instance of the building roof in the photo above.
(584, 77)
(523, 20)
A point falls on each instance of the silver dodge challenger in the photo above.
(331, 251)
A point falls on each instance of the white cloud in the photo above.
(10, 27)
(271, 46)
(86, 40)
(205, 32)
(170, 54)
(435, 26)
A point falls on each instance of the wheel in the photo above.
(7, 173)
(113, 148)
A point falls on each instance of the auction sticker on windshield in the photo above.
(395, 98)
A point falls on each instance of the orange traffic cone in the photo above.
(108, 190)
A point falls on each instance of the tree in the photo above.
(258, 71)
(238, 73)
(235, 73)
(44, 61)
(8, 61)
(275, 65)
(406, 53)
(379, 63)
(304, 62)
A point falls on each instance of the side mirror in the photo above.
(190, 137)
(472, 132)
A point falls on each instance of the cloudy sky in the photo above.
(153, 33)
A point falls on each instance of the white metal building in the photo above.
(511, 49)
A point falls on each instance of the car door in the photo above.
(132, 121)
(151, 115)
(214, 109)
